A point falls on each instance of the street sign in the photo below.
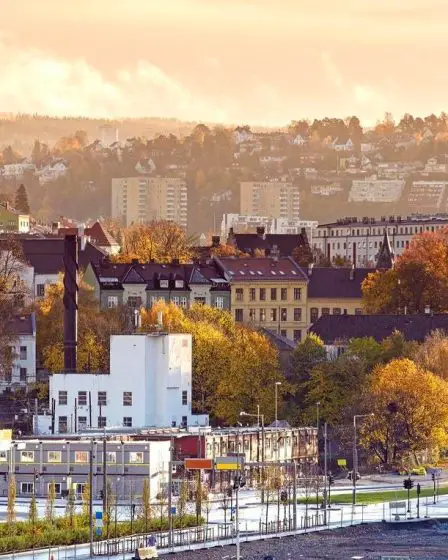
(397, 505)
(173, 510)
(98, 522)
(342, 462)
(229, 463)
(198, 464)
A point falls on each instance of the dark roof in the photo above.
(24, 324)
(337, 282)
(386, 257)
(332, 328)
(280, 342)
(97, 233)
(251, 269)
(286, 243)
(47, 255)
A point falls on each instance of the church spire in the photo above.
(385, 258)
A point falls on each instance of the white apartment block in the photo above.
(275, 199)
(23, 371)
(376, 190)
(359, 240)
(149, 385)
(249, 224)
(427, 195)
(139, 200)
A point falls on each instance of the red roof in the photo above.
(98, 235)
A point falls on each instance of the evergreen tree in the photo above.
(21, 203)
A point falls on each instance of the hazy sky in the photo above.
(249, 61)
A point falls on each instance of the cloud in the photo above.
(331, 71)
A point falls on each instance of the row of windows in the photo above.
(82, 399)
(82, 423)
(262, 293)
(363, 244)
(182, 301)
(314, 312)
(135, 457)
(410, 230)
(273, 314)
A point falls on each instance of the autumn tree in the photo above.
(145, 509)
(70, 509)
(12, 493)
(307, 354)
(303, 255)
(432, 355)
(410, 407)
(51, 498)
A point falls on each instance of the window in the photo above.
(62, 424)
(336, 310)
(297, 294)
(283, 314)
(164, 283)
(239, 315)
(175, 300)
(184, 421)
(23, 352)
(273, 316)
(252, 314)
(112, 301)
(325, 311)
(62, 399)
(54, 457)
(134, 301)
(40, 290)
(297, 335)
(262, 294)
(262, 315)
(3, 456)
(127, 421)
(82, 398)
(111, 457)
(184, 398)
(358, 311)
(239, 294)
(179, 283)
(136, 457)
(23, 372)
(82, 422)
(314, 314)
(27, 487)
(57, 487)
(284, 294)
(127, 398)
(297, 314)
(27, 456)
(102, 398)
(81, 456)
(102, 421)
(273, 294)
(201, 300)
(79, 488)
(219, 302)
(183, 302)
(252, 294)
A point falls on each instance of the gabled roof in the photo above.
(285, 242)
(252, 269)
(98, 235)
(333, 328)
(338, 283)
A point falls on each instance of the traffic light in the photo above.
(433, 476)
(419, 489)
(36, 475)
(284, 496)
(350, 475)
(408, 484)
(330, 479)
(101, 494)
(229, 491)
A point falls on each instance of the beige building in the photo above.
(273, 199)
(269, 293)
(139, 200)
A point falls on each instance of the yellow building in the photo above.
(273, 199)
(12, 221)
(139, 200)
(269, 293)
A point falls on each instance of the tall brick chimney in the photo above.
(70, 302)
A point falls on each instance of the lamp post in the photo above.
(355, 453)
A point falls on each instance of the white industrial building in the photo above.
(149, 385)
(244, 223)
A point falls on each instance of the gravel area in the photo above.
(425, 541)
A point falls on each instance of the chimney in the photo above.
(427, 310)
(70, 302)
(310, 269)
(175, 262)
(261, 232)
(215, 240)
(55, 227)
(274, 253)
(352, 272)
(82, 237)
(134, 261)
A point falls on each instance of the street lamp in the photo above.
(355, 453)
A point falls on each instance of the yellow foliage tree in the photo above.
(410, 407)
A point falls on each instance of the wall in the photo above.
(352, 305)
(29, 341)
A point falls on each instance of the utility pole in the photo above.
(91, 497)
(294, 495)
(325, 474)
(105, 497)
(170, 483)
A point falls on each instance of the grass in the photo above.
(375, 497)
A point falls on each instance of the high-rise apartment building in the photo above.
(139, 200)
(273, 199)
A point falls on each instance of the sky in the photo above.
(260, 62)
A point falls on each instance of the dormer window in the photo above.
(164, 283)
(179, 283)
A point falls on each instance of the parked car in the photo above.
(418, 471)
(349, 475)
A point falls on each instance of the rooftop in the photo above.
(252, 269)
(338, 283)
(388, 220)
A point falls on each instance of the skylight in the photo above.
(281, 272)
(294, 272)
(273, 272)
(259, 273)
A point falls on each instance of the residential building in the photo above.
(13, 221)
(395, 169)
(376, 190)
(38, 463)
(16, 170)
(139, 200)
(273, 199)
(427, 196)
(262, 244)
(141, 284)
(23, 370)
(96, 234)
(269, 293)
(337, 330)
(158, 393)
(438, 164)
(326, 189)
(358, 240)
(240, 223)
(52, 171)
(108, 134)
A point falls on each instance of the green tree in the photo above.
(366, 349)
(86, 500)
(21, 202)
(182, 502)
(32, 511)
(49, 509)
(70, 509)
(309, 353)
(12, 493)
(145, 509)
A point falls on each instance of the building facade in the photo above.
(248, 224)
(140, 200)
(376, 190)
(273, 199)
(427, 196)
(149, 384)
(358, 240)
(269, 293)
(12, 221)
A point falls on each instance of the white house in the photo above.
(149, 385)
(16, 169)
(342, 146)
(23, 371)
(52, 171)
(299, 140)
